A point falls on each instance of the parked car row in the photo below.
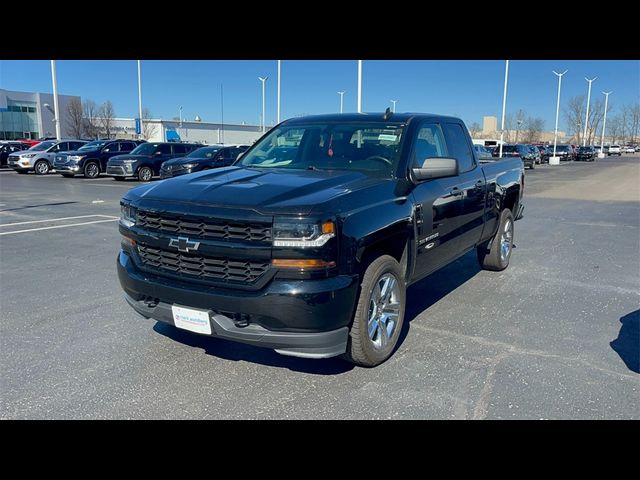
(118, 158)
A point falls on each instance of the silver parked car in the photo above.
(39, 158)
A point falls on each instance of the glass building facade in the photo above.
(19, 120)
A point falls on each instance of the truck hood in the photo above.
(119, 159)
(266, 191)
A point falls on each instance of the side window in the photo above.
(110, 148)
(459, 147)
(179, 149)
(127, 146)
(164, 149)
(429, 143)
(76, 145)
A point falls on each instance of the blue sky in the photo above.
(466, 88)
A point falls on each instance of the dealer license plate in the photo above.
(190, 319)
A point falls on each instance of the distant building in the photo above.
(491, 132)
(24, 115)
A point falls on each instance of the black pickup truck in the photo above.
(308, 242)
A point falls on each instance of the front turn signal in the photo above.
(302, 264)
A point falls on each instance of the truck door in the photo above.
(437, 205)
(471, 187)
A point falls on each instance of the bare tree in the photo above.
(105, 115)
(90, 111)
(533, 129)
(148, 129)
(509, 124)
(574, 116)
(475, 129)
(635, 122)
(596, 116)
(615, 128)
(74, 118)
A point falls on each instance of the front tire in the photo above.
(495, 254)
(41, 167)
(145, 174)
(379, 315)
(91, 170)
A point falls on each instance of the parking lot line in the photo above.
(59, 226)
(111, 217)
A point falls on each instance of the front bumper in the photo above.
(120, 171)
(69, 168)
(304, 318)
(174, 173)
(20, 164)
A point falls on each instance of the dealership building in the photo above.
(30, 115)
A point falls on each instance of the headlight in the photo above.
(304, 235)
(188, 166)
(75, 158)
(127, 215)
(129, 160)
(28, 155)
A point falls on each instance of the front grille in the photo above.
(203, 228)
(111, 170)
(205, 268)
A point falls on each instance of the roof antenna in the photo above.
(387, 114)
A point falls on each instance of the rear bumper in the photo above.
(304, 318)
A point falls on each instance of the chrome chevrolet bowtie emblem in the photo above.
(183, 244)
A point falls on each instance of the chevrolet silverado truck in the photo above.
(307, 243)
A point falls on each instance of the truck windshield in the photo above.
(92, 146)
(371, 148)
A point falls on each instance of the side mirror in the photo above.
(436, 167)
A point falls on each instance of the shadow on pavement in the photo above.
(248, 353)
(627, 345)
(36, 206)
(428, 291)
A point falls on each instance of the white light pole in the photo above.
(394, 105)
(180, 110)
(264, 122)
(278, 91)
(504, 104)
(341, 99)
(604, 122)
(55, 99)
(359, 86)
(556, 160)
(586, 118)
(139, 99)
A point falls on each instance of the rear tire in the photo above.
(41, 167)
(145, 174)
(91, 170)
(495, 253)
(379, 315)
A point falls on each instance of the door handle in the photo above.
(456, 192)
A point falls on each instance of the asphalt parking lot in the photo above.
(556, 335)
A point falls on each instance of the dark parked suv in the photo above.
(518, 150)
(91, 159)
(145, 160)
(202, 159)
(587, 154)
(565, 152)
(7, 148)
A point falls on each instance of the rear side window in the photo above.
(127, 146)
(458, 145)
(164, 149)
(112, 147)
(429, 143)
(179, 149)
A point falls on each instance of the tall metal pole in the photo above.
(341, 99)
(264, 121)
(586, 118)
(555, 133)
(504, 104)
(394, 105)
(604, 122)
(56, 111)
(139, 99)
(278, 117)
(221, 114)
(359, 86)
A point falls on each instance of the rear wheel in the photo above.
(495, 254)
(145, 174)
(91, 170)
(41, 167)
(379, 314)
